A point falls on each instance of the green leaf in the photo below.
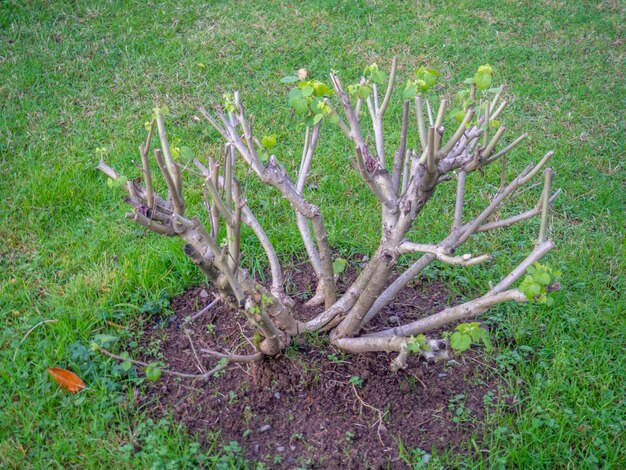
(321, 89)
(307, 90)
(356, 380)
(379, 77)
(105, 340)
(294, 94)
(339, 265)
(301, 106)
(121, 181)
(268, 141)
(289, 79)
(175, 151)
(413, 348)
(317, 118)
(460, 342)
(486, 339)
(459, 115)
(530, 288)
(364, 91)
(542, 278)
(468, 81)
(186, 154)
(334, 119)
(409, 92)
(426, 78)
(153, 372)
(482, 80)
(126, 365)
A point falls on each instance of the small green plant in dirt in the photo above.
(466, 334)
(356, 381)
(460, 413)
(540, 280)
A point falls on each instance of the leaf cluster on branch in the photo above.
(403, 180)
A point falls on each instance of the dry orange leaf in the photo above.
(66, 379)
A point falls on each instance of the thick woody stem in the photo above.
(464, 311)
(151, 224)
(213, 177)
(302, 223)
(277, 276)
(539, 252)
(442, 254)
(437, 349)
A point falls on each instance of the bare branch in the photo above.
(392, 78)
(460, 200)
(179, 205)
(245, 358)
(458, 134)
(440, 114)
(539, 252)
(497, 112)
(107, 170)
(401, 153)
(421, 127)
(147, 176)
(151, 224)
(517, 218)
(507, 149)
(442, 254)
(463, 311)
(171, 166)
(545, 204)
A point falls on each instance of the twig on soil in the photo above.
(204, 376)
(420, 381)
(193, 350)
(29, 332)
(381, 415)
(199, 313)
(482, 363)
(247, 358)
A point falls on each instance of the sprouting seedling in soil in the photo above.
(356, 381)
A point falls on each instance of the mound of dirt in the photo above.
(315, 407)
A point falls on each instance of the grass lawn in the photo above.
(76, 76)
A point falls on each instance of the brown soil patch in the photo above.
(300, 409)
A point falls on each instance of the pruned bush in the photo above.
(403, 181)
